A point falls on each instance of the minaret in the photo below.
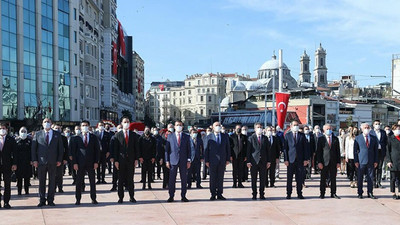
(320, 70)
(305, 75)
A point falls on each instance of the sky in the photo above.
(176, 38)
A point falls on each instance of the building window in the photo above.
(198, 82)
(189, 84)
(189, 92)
(322, 61)
(209, 98)
(75, 59)
(75, 36)
(201, 99)
(201, 111)
(212, 81)
(209, 112)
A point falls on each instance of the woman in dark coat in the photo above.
(393, 159)
(24, 169)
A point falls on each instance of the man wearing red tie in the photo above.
(126, 152)
(328, 158)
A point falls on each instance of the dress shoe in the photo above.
(240, 186)
(113, 189)
(254, 197)
(19, 193)
(288, 197)
(7, 206)
(120, 201)
(360, 197)
(51, 204)
(104, 182)
(98, 182)
(394, 196)
(213, 198)
(150, 188)
(199, 187)
(60, 191)
(273, 186)
(94, 202)
(184, 199)
(77, 203)
(234, 186)
(133, 200)
(41, 204)
(144, 187)
(220, 197)
(300, 196)
(171, 199)
(158, 177)
(262, 197)
(322, 196)
(335, 196)
(189, 187)
(370, 195)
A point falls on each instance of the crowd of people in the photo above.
(368, 153)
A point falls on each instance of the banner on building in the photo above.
(282, 102)
(121, 39)
(114, 58)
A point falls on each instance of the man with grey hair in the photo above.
(365, 158)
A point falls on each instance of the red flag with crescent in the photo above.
(121, 39)
(282, 102)
(161, 86)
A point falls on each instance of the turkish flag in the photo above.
(161, 86)
(282, 102)
(114, 58)
(121, 39)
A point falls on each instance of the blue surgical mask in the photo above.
(328, 132)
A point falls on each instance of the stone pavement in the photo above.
(152, 207)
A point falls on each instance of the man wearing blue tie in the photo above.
(296, 154)
(365, 159)
(178, 155)
(217, 155)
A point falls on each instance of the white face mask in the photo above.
(258, 131)
(194, 135)
(306, 131)
(273, 134)
(396, 132)
(77, 132)
(178, 128)
(101, 128)
(366, 131)
(317, 131)
(119, 130)
(268, 133)
(377, 126)
(67, 134)
(295, 128)
(223, 131)
(3, 132)
(244, 132)
(125, 126)
(23, 135)
(155, 132)
(343, 133)
(217, 129)
(47, 125)
(85, 129)
(171, 129)
(387, 131)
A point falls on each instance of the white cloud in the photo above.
(367, 22)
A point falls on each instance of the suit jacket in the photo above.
(197, 149)
(326, 154)
(275, 148)
(296, 150)
(65, 147)
(47, 154)
(104, 142)
(217, 153)
(160, 147)
(254, 148)
(147, 147)
(382, 141)
(311, 144)
(123, 152)
(236, 152)
(175, 154)
(8, 156)
(364, 155)
(85, 156)
(393, 153)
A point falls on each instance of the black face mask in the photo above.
(238, 131)
(147, 132)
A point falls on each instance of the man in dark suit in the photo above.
(112, 157)
(85, 151)
(178, 155)
(216, 156)
(312, 146)
(258, 159)
(365, 159)
(380, 134)
(328, 159)
(8, 162)
(274, 152)
(196, 144)
(161, 141)
(104, 138)
(238, 155)
(147, 156)
(317, 134)
(296, 158)
(126, 151)
(47, 155)
(60, 169)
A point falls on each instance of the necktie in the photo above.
(126, 137)
(85, 140)
(218, 139)
(47, 138)
(294, 136)
(1, 143)
(366, 141)
(330, 142)
(270, 141)
(179, 140)
(259, 139)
